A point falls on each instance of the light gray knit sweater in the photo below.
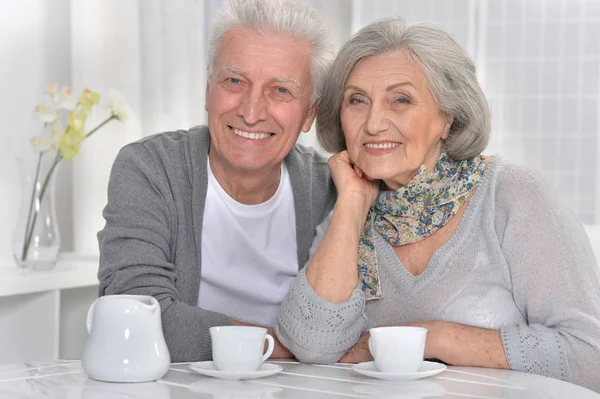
(519, 262)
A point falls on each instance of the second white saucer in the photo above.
(427, 369)
(208, 368)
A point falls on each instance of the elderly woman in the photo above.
(476, 250)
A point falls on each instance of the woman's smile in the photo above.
(379, 148)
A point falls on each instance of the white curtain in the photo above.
(538, 62)
(105, 53)
(154, 53)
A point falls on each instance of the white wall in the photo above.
(34, 38)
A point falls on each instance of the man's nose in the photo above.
(253, 107)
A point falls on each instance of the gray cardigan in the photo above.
(519, 262)
(152, 239)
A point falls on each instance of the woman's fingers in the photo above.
(358, 171)
(342, 158)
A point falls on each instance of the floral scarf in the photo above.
(415, 211)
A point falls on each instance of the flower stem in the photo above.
(31, 202)
(94, 130)
(29, 230)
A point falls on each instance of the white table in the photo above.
(66, 380)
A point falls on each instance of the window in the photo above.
(539, 64)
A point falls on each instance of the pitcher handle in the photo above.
(269, 351)
(90, 316)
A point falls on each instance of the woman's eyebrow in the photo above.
(352, 87)
(406, 83)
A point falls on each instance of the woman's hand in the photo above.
(350, 181)
(451, 343)
(359, 352)
(462, 345)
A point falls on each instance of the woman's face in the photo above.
(391, 122)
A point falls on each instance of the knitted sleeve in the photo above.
(555, 282)
(314, 330)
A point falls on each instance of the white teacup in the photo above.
(397, 349)
(240, 348)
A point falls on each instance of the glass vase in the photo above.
(36, 241)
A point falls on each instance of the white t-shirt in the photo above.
(249, 253)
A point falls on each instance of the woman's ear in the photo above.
(447, 126)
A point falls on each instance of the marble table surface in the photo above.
(67, 380)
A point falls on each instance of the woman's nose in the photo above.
(377, 121)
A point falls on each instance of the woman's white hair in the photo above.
(448, 69)
(285, 17)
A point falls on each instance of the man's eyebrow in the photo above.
(235, 70)
(275, 79)
(286, 80)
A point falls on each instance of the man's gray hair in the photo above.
(448, 69)
(286, 17)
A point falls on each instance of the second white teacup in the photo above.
(397, 349)
(240, 348)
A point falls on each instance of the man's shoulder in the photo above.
(174, 139)
(308, 155)
(174, 152)
(308, 166)
(168, 148)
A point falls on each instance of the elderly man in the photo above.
(216, 221)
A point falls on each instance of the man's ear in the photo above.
(447, 126)
(206, 96)
(310, 117)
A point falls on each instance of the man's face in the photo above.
(258, 99)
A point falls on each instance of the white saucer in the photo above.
(208, 368)
(427, 369)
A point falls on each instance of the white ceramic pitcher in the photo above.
(126, 341)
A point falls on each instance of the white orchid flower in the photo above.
(47, 112)
(50, 137)
(52, 88)
(64, 98)
(117, 104)
(56, 132)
